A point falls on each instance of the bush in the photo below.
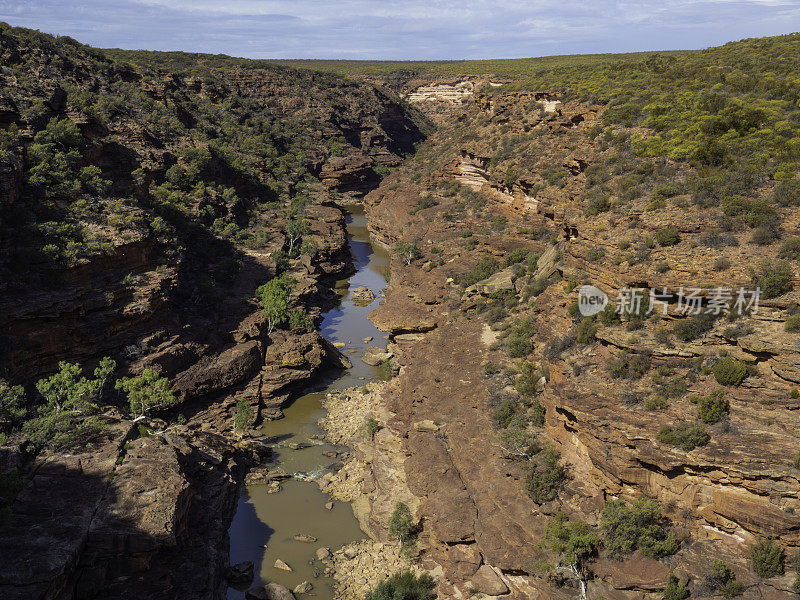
(147, 392)
(797, 461)
(722, 263)
(573, 540)
(403, 586)
(628, 365)
(637, 526)
(486, 267)
(792, 324)
(587, 330)
(723, 580)
(668, 236)
(693, 327)
(12, 403)
(787, 192)
(519, 342)
(274, 298)
(713, 407)
(300, 319)
(684, 435)
(774, 279)
(373, 427)
(408, 251)
(243, 416)
(402, 526)
(674, 589)
(544, 476)
(767, 558)
(515, 256)
(528, 379)
(505, 413)
(729, 371)
(790, 249)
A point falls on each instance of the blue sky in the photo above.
(408, 29)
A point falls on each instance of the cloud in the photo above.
(411, 29)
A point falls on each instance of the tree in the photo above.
(675, 590)
(637, 526)
(296, 227)
(274, 298)
(767, 557)
(12, 398)
(573, 541)
(244, 414)
(147, 392)
(401, 525)
(409, 251)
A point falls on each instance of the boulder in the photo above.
(323, 553)
(303, 588)
(375, 355)
(271, 591)
(362, 295)
(488, 582)
(240, 573)
(279, 564)
(308, 539)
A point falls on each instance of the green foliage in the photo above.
(65, 418)
(729, 371)
(686, 436)
(712, 407)
(574, 540)
(628, 365)
(638, 526)
(296, 228)
(675, 590)
(519, 342)
(12, 404)
(506, 412)
(693, 327)
(147, 392)
(790, 249)
(404, 586)
(767, 558)
(402, 526)
(544, 476)
(274, 298)
(587, 330)
(373, 426)
(528, 379)
(515, 256)
(774, 278)
(796, 462)
(243, 416)
(787, 193)
(609, 315)
(723, 580)
(485, 268)
(408, 251)
(668, 236)
(300, 319)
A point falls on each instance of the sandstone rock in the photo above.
(426, 425)
(362, 295)
(375, 355)
(350, 553)
(502, 280)
(308, 539)
(323, 553)
(279, 564)
(488, 582)
(215, 374)
(303, 588)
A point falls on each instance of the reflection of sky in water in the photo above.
(273, 519)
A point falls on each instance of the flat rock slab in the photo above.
(488, 582)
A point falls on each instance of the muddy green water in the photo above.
(265, 524)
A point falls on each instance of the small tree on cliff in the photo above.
(402, 526)
(147, 392)
(274, 298)
(409, 251)
(296, 227)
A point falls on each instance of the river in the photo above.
(264, 526)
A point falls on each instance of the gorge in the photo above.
(209, 223)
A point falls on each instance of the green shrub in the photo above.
(684, 435)
(628, 365)
(797, 460)
(674, 589)
(147, 392)
(693, 327)
(638, 526)
(300, 319)
(485, 268)
(505, 413)
(609, 315)
(402, 526)
(544, 476)
(790, 249)
(373, 427)
(668, 236)
(587, 330)
(729, 371)
(787, 192)
(404, 586)
(519, 343)
(767, 558)
(792, 324)
(774, 279)
(12, 403)
(573, 540)
(274, 298)
(243, 416)
(408, 251)
(515, 256)
(528, 379)
(712, 407)
(722, 579)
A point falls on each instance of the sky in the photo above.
(407, 29)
